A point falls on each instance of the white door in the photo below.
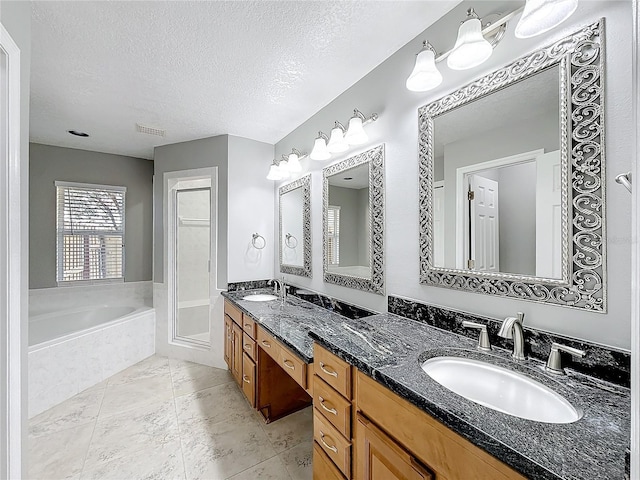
(548, 216)
(438, 224)
(484, 224)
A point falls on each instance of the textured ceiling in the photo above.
(255, 69)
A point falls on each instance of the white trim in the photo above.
(635, 253)
(462, 185)
(11, 253)
(116, 188)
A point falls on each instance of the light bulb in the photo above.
(294, 163)
(337, 143)
(274, 173)
(320, 151)
(425, 75)
(471, 48)
(540, 16)
(355, 133)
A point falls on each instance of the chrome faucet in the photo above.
(512, 328)
(279, 289)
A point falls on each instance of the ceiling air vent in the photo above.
(158, 132)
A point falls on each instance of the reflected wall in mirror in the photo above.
(353, 222)
(511, 179)
(295, 227)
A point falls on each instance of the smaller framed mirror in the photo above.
(295, 227)
(353, 222)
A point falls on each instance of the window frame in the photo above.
(60, 232)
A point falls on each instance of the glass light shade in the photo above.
(540, 16)
(274, 173)
(355, 133)
(425, 74)
(471, 48)
(337, 143)
(320, 151)
(283, 167)
(294, 163)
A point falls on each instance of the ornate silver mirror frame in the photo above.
(305, 184)
(375, 158)
(580, 58)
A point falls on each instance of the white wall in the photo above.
(250, 210)
(383, 91)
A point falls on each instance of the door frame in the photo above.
(12, 412)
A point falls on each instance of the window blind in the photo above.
(333, 235)
(90, 232)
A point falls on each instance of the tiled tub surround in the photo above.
(61, 368)
(601, 362)
(390, 349)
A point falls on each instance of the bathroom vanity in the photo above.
(377, 414)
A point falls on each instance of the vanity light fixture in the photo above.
(288, 165)
(320, 151)
(355, 133)
(293, 161)
(337, 143)
(274, 172)
(471, 48)
(540, 16)
(425, 75)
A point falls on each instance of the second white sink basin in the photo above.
(500, 389)
(261, 297)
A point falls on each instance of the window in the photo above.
(90, 232)
(333, 235)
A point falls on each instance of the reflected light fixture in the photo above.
(540, 16)
(355, 133)
(425, 75)
(471, 48)
(337, 143)
(320, 151)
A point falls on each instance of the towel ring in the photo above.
(258, 241)
(290, 241)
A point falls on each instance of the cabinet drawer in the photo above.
(249, 325)
(249, 346)
(333, 370)
(295, 367)
(249, 379)
(337, 448)
(332, 406)
(268, 344)
(233, 311)
(323, 468)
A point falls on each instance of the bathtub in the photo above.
(73, 349)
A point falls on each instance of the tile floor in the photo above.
(167, 419)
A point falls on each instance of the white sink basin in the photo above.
(261, 297)
(501, 389)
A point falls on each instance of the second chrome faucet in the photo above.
(512, 329)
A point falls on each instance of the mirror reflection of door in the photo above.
(438, 223)
(548, 215)
(484, 224)
(193, 237)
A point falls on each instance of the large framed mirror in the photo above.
(353, 222)
(295, 227)
(512, 179)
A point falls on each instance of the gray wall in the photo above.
(16, 18)
(383, 91)
(48, 164)
(206, 152)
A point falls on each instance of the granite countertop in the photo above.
(390, 349)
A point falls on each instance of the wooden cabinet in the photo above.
(323, 467)
(236, 362)
(249, 379)
(333, 370)
(228, 340)
(337, 448)
(380, 458)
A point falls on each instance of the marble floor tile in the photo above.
(128, 396)
(223, 449)
(272, 469)
(215, 404)
(152, 426)
(189, 377)
(152, 367)
(60, 454)
(164, 463)
(291, 430)
(298, 461)
(78, 410)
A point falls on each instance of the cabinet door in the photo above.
(228, 341)
(236, 364)
(378, 457)
(249, 379)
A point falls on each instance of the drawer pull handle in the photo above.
(245, 379)
(247, 325)
(330, 410)
(333, 373)
(289, 364)
(266, 344)
(333, 448)
(247, 346)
